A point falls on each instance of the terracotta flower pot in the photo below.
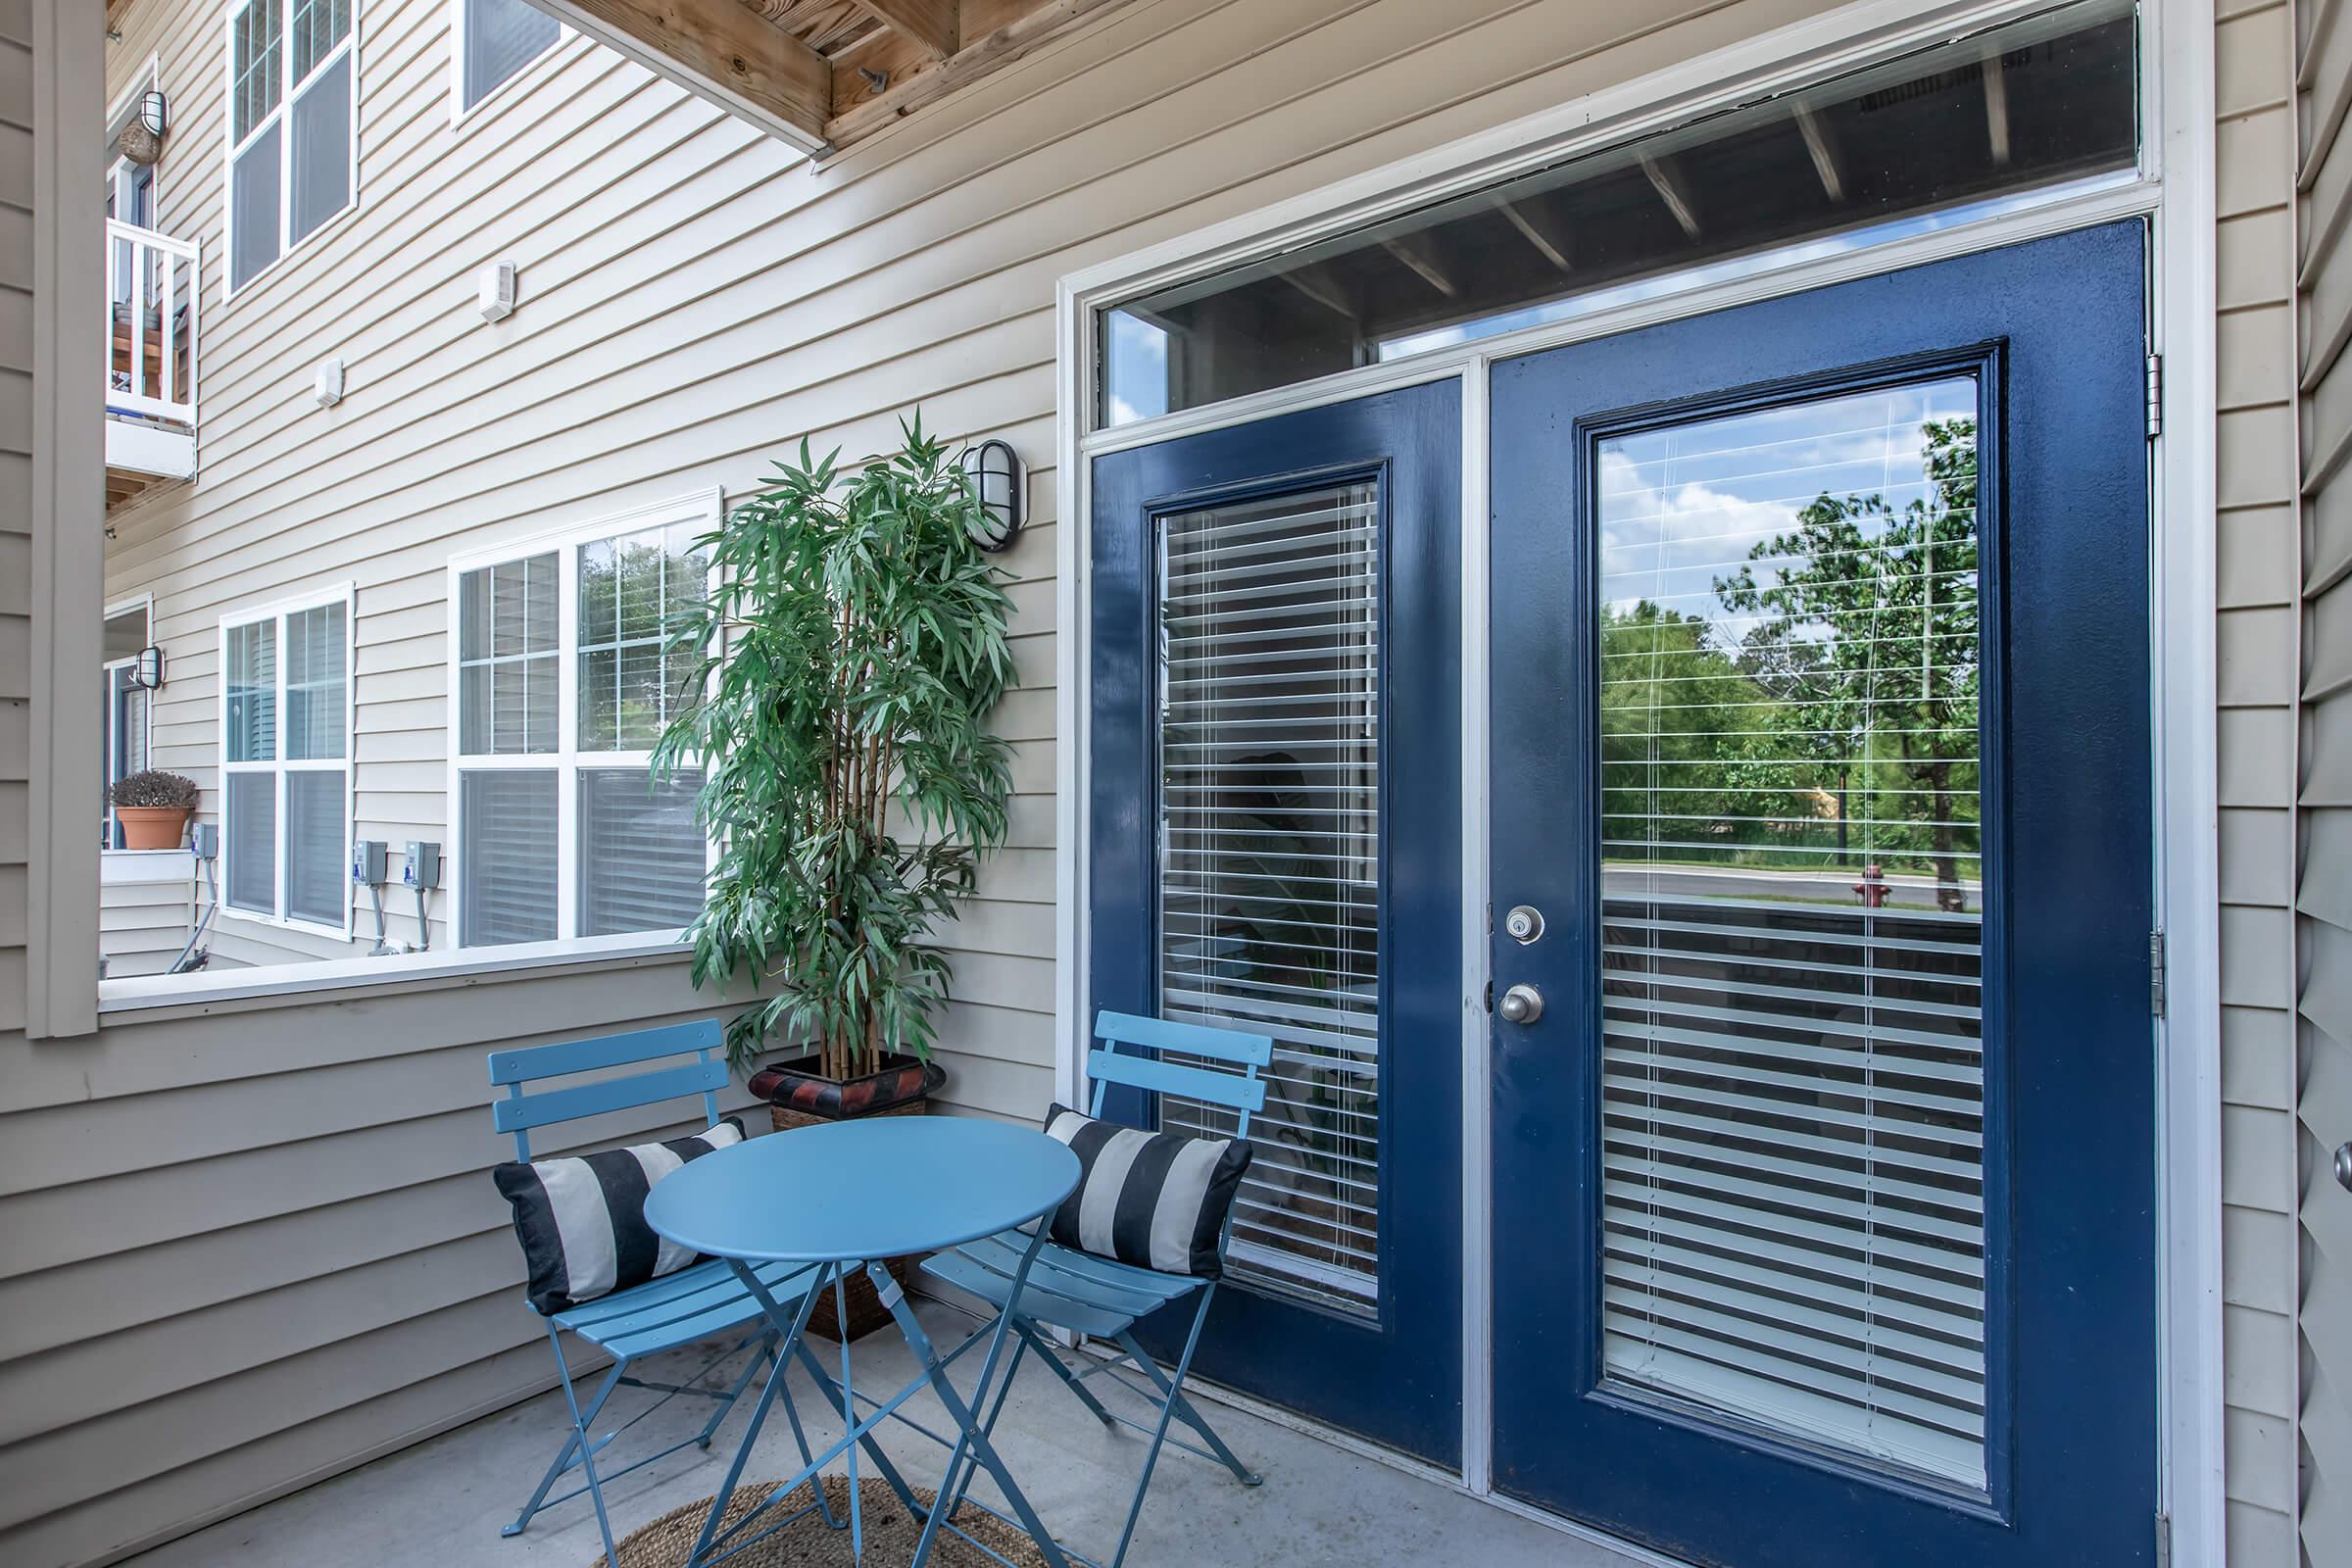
(901, 1086)
(152, 827)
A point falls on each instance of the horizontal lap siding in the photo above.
(2322, 1105)
(242, 1246)
(2255, 541)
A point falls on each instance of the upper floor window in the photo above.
(293, 96)
(495, 41)
(285, 759)
(564, 680)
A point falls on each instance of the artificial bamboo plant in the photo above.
(850, 647)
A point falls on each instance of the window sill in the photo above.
(344, 979)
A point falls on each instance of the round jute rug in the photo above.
(890, 1532)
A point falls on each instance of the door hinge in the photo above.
(2155, 396)
(2156, 973)
(2164, 1539)
(1489, 999)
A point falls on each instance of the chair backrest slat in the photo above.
(527, 1063)
(1174, 1078)
(706, 1074)
(1190, 1039)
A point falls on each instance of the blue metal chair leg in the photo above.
(765, 1351)
(577, 1440)
(1159, 1433)
(954, 1490)
(1173, 1394)
(579, 1427)
(1069, 1379)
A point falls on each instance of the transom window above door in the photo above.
(2011, 117)
(564, 681)
(293, 97)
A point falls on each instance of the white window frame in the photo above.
(279, 115)
(460, 111)
(701, 507)
(279, 765)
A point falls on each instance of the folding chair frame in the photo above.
(669, 1313)
(1102, 1299)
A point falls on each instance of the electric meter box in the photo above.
(368, 857)
(423, 868)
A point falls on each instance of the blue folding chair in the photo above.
(661, 1314)
(1102, 1298)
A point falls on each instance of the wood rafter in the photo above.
(1821, 145)
(1415, 253)
(1996, 106)
(1667, 181)
(1315, 281)
(823, 74)
(1552, 246)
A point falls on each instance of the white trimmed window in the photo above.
(493, 40)
(293, 124)
(562, 683)
(285, 750)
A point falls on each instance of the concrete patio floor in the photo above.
(441, 1503)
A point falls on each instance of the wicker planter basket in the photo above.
(901, 1086)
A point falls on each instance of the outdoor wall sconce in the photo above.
(994, 470)
(142, 138)
(148, 672)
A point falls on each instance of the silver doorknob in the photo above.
(2343, 1167)
(1521, 1004)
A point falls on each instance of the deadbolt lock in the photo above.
(1523, 924)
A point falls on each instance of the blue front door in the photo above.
(1823, 1114)
(1275, 843)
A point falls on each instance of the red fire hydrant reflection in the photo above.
(1873, 887)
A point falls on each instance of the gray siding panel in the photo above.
(2323, 1103)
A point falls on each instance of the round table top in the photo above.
(857, 1189)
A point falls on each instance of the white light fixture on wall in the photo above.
(141, 140)
(327, 385)
(498, 291)
(994, 470)
(148, 672)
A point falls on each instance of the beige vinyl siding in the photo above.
(2323, 1106)
(269, 1225)
(2256, 658)
(16, 502)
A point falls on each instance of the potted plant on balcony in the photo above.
(154, 808)
(850, 649)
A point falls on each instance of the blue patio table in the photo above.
(843, 1196)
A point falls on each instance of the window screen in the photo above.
(292, 84)
(316, 871)
(502, 36)
(317, 703)
(252, 653)
(642, 853)
(506, 866)
(250, 852)
(322, 150)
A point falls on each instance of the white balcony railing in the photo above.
(151, 288)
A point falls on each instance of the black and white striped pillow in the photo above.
(581, 1221)
(1154, 1199)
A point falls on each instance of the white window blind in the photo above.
(507, 848)
(251, 853)
(499, 38)
(1269, 836)
(509, 666)
(1792, 1075)
(292, 85)
(643, 854)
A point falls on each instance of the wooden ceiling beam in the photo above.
(1667, 181)
(990, 35)
(931, 24)
(723, 49)
(1415, 253)
(1821, 145)
(1554, 248)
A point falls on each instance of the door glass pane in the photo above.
(1978, 125)
(1269, 896)
(506, 865)
(642, 854)
(1792, 933)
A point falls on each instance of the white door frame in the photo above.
(2175, 192)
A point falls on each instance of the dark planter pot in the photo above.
(901, 1086)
